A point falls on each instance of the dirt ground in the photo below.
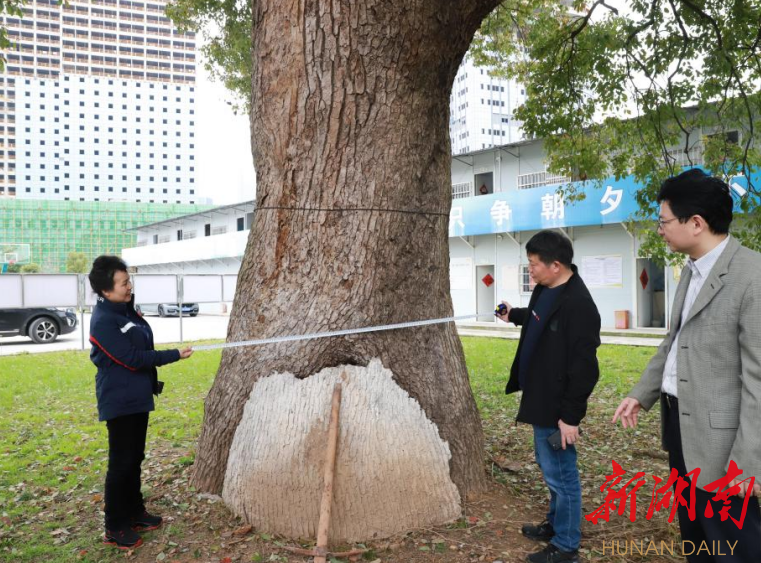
(200, 528)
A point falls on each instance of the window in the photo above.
(207, 230)
(730, 137)
(527, 284)
(241, 223)
(179, 234)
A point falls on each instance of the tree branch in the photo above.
(735, 74)
(670, 83)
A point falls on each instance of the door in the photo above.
(485, 297)
(10, 321)
(651, 295)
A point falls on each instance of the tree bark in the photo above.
(350, 116)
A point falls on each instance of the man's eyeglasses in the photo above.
(662, 222)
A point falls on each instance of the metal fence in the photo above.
(20, 291)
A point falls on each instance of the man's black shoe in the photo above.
(552, 554)
(122, 538)
(538, 532)
(145, 522)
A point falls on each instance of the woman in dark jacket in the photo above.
(122, 350)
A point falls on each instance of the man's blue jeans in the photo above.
(562, 477)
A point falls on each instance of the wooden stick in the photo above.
(313, 552)
(320, 551)
(327, 492)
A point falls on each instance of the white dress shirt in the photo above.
(700, 269)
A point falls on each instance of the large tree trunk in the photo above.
(350, 134)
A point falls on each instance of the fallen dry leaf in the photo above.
(506, 465)
(243, 530)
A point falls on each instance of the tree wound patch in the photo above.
(392, 468)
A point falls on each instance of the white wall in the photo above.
(608, 240)
(227, 266)
(587, 241)
(230, 245)
(504, 164)
(226, 218)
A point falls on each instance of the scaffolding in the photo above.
(53, 229)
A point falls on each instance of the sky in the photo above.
(224, 170)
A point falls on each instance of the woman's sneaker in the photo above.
(122, 538)
(145, 522)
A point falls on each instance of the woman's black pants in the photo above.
(126, 451)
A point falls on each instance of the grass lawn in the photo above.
(53, 454)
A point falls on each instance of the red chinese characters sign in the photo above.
(670, 494)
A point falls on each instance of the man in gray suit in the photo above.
(707, 371)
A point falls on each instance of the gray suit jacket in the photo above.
(718, 368)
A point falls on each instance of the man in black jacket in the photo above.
(556, 368)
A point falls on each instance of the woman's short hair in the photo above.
(102, 274)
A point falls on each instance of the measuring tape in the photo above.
(297, 337)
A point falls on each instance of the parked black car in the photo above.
(41, 324)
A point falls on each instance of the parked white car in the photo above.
(167, 309)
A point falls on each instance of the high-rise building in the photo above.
(97, 103)
(481, 109)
